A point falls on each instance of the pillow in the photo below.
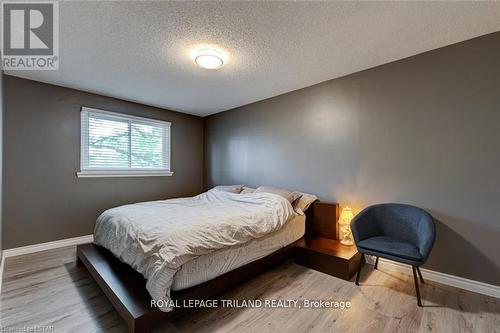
(291, 196)
(247, 190)
(304, 202)
(229, 188)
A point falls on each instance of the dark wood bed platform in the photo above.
(126, 288)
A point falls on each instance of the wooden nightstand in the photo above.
(328, 256)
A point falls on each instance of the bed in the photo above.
(212, 265)
(236, 238)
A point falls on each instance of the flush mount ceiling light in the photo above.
(209, 59)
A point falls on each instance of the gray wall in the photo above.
(423, 130)
(43, 198)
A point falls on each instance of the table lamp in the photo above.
(345, 233)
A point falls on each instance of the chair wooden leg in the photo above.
(414, 268)
(359, 268)
(420, 274)
(376, 263)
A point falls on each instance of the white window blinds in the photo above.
(114, 144)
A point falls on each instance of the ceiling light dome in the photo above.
(209, 59)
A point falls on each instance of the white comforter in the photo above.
(156, 238)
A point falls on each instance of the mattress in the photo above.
(211, 265)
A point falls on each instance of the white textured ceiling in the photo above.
(139, 51)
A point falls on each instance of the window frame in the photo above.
(88, 172)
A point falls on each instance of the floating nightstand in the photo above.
(328, 256)
(320, 249)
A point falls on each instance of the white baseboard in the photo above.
(2, 262)
(17, 251)
(446, 279)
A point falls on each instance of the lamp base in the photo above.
(346, 242)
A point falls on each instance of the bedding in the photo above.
(300, 205)
(246, 190)
(156, 238)
(291, 196)
(214, 264)
(229, 188)
(304, 202)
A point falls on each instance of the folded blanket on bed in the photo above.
(156, 238)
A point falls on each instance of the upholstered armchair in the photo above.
(398, 232)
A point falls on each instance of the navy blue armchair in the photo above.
(397, 232)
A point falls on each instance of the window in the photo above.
(119, 145)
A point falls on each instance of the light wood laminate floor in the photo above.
(47, 289)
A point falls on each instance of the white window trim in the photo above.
(122, 173)
(101, 173)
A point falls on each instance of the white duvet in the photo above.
(156, 238)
